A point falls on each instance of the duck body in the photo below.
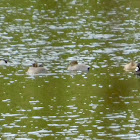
(130, 66)
(3, 62)
(74, 66)
(35, 69)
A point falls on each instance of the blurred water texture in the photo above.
(101, 104)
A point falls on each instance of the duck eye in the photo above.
(136, 69)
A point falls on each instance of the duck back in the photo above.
(130, 67)
(79, 67)
(36, 70)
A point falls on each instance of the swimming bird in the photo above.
(36, 69)
(3, 62)
(137, 70)
(130, 66)
(74, 66)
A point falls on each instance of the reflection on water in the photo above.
(100, 104)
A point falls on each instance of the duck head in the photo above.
(35, 65)
(73, 63)
(132, 63)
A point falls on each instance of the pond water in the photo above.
(101, 104)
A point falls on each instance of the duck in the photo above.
(36, 69)
(3, 62)
(137, 70)
(130, 66)
(74, 66)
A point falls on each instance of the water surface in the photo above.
(101, 104)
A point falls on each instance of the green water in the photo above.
(101, 104)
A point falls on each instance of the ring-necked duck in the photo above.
(36, 69)
(3, 62)
(74, 66)
(137, 70)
